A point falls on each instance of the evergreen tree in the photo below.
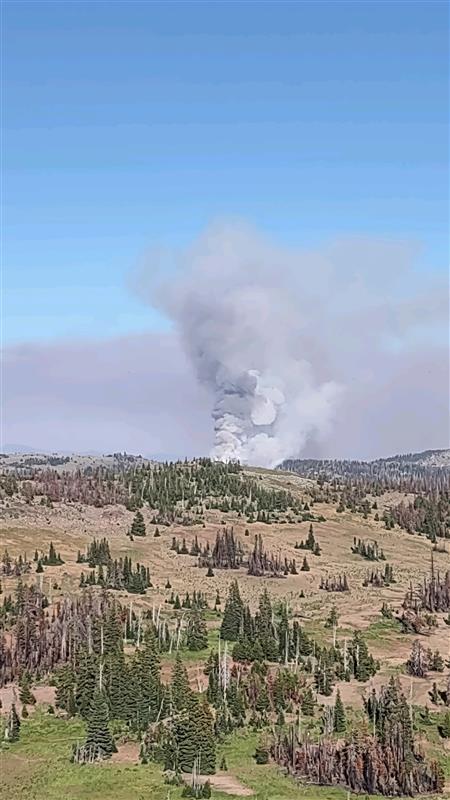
(87, 672)
(12, 730)
(65, 686)
(436, 662)
(308, 703)
(117, 685)
(444, 727)
(194, 738)
(71, 707)
(186, 740)
(332, 619)
(261, 755)
(180, 691)
(233, 613)
(434, 694)
(26, 696)
(138, 525)
(324, 673)
(206, 742)
(340, 722)
(53, 558)
(99, 736)
(147, 673)
(363, 664)
(197, 635)
(264, 628)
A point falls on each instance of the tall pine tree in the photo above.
(99, 737)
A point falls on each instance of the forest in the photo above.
(137, 649)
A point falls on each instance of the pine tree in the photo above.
(147, 673)
(87, 672)
(305, 566)
(206, 742)
(308, 703)
(261, 755)
(232, 616)
(26, 696)
(264, 628)
(434, 694)
(332, 619)
(99, 736)
(444, 728)
(180, 691)
(197, 635)
(436, 662)
(363, 664)
(138, 525)
(194, 738)
(340, 722)
(12, 730)
(324, 673)
(65, 686)
(116, 683)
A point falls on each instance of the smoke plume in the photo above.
(241, 327)
(282, 338)
(337, 352)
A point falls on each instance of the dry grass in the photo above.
(27, 527)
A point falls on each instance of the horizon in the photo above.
(157, 458)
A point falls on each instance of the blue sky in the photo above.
(133, 125)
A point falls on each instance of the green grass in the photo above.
(383, 629)
(190, 656)
(38, 767)
(435, 742)
(267, 781)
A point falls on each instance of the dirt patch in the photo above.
(126, 754)
(45, 695)
(225, 783)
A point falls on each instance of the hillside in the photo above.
(351, 563)
(396, 467)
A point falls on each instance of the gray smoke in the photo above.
(242, 328)
(283, 339)
(340, 352)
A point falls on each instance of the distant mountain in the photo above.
(427, 458)
(427, 466)
(17, 448)
(68, 461)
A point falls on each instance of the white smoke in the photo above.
(260, 418)
(238, 319)
(302, 349)
(272, 333)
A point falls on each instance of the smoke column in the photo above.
(242, 327)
